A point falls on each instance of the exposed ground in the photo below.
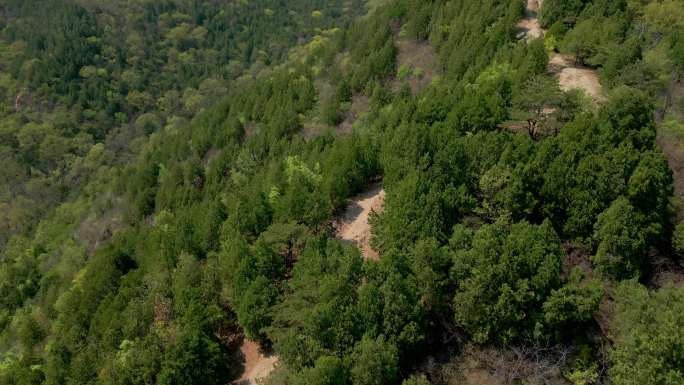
(210, 155)
(570, 76)
(420, 59)
(257, 364)
(359, 105)
(529, 25)
(353, 226)
(313, 126)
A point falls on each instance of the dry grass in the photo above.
(96, 229)
(532, 365)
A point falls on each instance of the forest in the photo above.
(175, 175)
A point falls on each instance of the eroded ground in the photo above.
(529, 25)
(419, 59)
(353, 226)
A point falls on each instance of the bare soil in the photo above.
(417, 55)
(570, 76)
(663, 271)
(358, 106)
(257, 364)
(530, 24)
(353, 226)
(210, 155)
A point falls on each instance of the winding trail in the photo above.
(353, 227)
(529, 25)
(570, 76)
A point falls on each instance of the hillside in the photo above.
(412, 192)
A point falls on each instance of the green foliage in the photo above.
(621, 240)
(647, 332)
(302, 199)
(253, 308)
(575, 302)
(533, 101)
(375, 362)
(81, 75)
(649, 186)
(504, 274)
(416, 380)
(584, 376)
(19, 273)
(316, 317)
(553, 11)
(195, 357)
(329, 370)
(160, 200)
(678, 240)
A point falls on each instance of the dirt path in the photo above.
(257, 365)
(570, 76)
(530, 24)
(353, 226)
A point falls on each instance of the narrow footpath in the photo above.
(353, 226)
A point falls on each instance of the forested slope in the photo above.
(528, 234)
(83, 82)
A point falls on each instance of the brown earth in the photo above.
(570, 76)
(530, 24)
(359, 105)
(257, 364)
(353, 227)
(419, 55)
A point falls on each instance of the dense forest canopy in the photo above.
(84, 82)
(173, 171)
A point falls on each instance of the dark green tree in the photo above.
(619, 233)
